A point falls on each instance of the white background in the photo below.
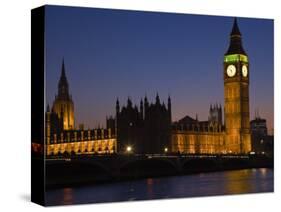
(15, 104)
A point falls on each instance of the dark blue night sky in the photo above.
(115, 53)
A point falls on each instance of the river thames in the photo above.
(203, 184)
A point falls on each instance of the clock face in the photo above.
(244, 71)
(231, 70)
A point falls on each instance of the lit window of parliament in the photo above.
(148, 129)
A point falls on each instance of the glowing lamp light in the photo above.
(129, 149)
(166, 149)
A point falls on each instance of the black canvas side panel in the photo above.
(37, 105)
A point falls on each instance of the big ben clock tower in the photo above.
(236, 95)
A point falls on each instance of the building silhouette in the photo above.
(146, 128)
(262, 142)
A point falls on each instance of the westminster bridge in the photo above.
(98, 168)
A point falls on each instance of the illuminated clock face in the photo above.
(231, 70)
(244, 71)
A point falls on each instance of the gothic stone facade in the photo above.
(61, 135)
(235, 137)
(97, 141)
(190, 136)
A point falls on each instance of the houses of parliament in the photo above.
(148, 128)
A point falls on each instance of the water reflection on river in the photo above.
(204, 184)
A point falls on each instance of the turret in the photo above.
(141, 109)
(63, 101)
(117, 107)
(129, 103)
(146, 105)
(170, 109)
(157, 99)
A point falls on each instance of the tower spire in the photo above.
(157, 99)
(63, 84)
(235, 46)
(235, 29)
(63, 69)
(117, 106)
(170, 109)
(141, 108)
(63, 105)
(169, 101)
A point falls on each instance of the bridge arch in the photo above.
(77, 171)
(92, 164)
(148, 167)
(235, 163)
(198, 164)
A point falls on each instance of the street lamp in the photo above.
(129, 149)
(166, 150)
